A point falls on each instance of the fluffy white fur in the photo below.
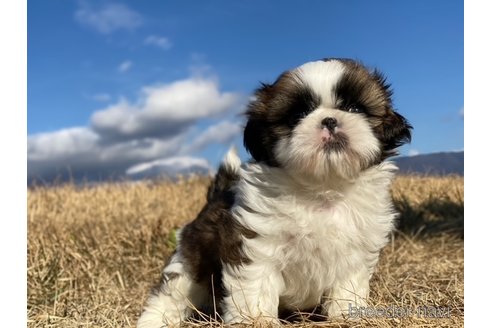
(321, 76)
(314, 246)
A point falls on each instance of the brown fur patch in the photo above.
(275, 112)
(215, 237)
(370, 92)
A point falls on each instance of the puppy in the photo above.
(302, 224)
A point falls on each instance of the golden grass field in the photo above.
(94, 252)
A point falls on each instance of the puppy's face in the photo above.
(323, 119)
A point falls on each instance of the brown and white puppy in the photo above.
(303, 223)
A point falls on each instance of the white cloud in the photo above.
(63, 143)
(221, 133)
(185, 99)
(462, 112)
(125, 66)
(171, 165)
(413, 152)
(108, 18)
(152, 131)
(158, 41)
(80, 149)
(164, 109)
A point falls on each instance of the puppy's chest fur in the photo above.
(314, 240)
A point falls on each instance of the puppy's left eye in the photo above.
(355, 109)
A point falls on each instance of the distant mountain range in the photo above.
(427, 164)
(433, 164)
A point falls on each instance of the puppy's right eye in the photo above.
(303, 114)
(299, 114)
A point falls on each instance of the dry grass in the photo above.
(94, 252)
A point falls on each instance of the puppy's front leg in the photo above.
(252, 293)
(347, 293)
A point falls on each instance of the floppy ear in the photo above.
(253, 140)
(396, 132)
(257, 138)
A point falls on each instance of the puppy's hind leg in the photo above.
(173, 300)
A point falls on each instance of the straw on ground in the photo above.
(94, 252)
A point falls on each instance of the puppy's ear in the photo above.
(396, 132)
(253, 140)
(257, 139)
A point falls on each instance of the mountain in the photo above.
(443, 163)
(428, 164)
(160, 168)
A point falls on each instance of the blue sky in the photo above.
(109, 81)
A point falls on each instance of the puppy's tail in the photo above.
(231, 161)
(226, 177)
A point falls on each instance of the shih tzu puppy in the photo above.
(302, 224)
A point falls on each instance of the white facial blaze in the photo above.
(321, 77)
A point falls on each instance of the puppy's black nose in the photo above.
(330, 123)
